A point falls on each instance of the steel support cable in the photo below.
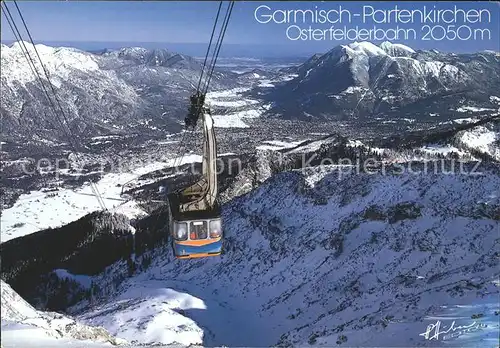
(93, 186)
(215, 53)
(219, 45)
(176, 163)
(27, 55)
(181, 147)
(75, 148)
(43, 67)
(209, 45)
(182, 144)
(32, 64)
(216, 48)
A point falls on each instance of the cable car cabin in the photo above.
(195, 223)
(195, 233)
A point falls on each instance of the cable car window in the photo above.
(180, 231)
(215, 228)
(198, 230)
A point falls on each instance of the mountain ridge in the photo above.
(362, 80)
(112, 91)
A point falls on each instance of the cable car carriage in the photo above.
(195, 221)
(194, 212)
(195, 234)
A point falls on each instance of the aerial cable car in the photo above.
(194, 212)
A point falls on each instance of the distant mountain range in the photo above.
(139, 90)
(156, 57)
(112, 91)
(365, 80)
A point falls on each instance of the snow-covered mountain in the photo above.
(24, 326)
(484, 139)
(154, 57)
(325, 255)
(365, 80)
(89, 95)
(128, 90)
(145, 92)
(322, 256)
(467, 138)
(316, 252)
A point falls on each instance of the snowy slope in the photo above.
(485, 139)
(148, 313)
(39, 210)
(24, 326)
(395, 49)
(120, 91)
(321, 256)
(81, 85)
(59, 62)
(236, 109)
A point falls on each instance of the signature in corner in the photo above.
(434, 331)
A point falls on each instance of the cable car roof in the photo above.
(173, 200)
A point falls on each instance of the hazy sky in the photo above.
(191, 22)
